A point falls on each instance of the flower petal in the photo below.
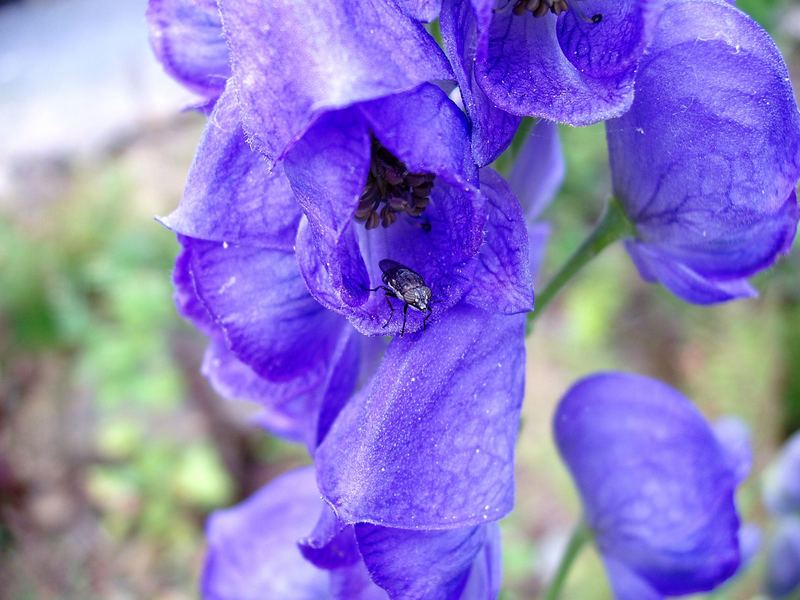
(251, 550)
(781, 482)
(492, 129)
(434, 565)
(421, 10)
(706, 160)
(186, 36)
(783, 561)
(328, 171)
(426, 131)
(260, 304)
(230, 195)
(502, 281)
(564, 69)
(293, 61)
(657, 487)
(429, 443)
(734, 437)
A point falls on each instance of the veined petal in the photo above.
(656, 485)
(705, 162)
(260, 304)
(421, 10)
(492, 129)
(230, 196)
(781, 482)
(294, 61)
(563, 69)
(429, 442)
(502, 281)
(434, 565)
(251, 550)
(426, 131)
(186, 36)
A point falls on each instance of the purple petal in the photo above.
(186, 36)
(706, 160)
(251, 550)
(294, 61)
(354, 583)
(782, 479)
(260, 304)
(502, 281)
(429, 443)
(299, 409)
(686, 283)
(783, 561)
(627, 584)
(434, 565)
(187, 302)
(486, 576)
(332, 543)
(230, 196)
(733, 436)
(538, 236)
(426, 131)
(564, 69)
(538, 171)
(492, 129)
(657, 487)
(339, 276)
(421, 10)
(328, 171)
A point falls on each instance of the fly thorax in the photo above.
(391, 190)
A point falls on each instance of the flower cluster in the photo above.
(341, 195)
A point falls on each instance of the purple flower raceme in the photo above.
(656, 482)
(706, 160)
(253, 553)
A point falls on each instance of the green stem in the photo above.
(612, 226)
(580, 535)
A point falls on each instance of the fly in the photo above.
(406, 285)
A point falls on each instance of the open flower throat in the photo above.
(391, 190)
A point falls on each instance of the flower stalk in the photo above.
(612, 226)
(580, 535)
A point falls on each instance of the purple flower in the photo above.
(657, 485)
(783, 560)
(706, 160)
(782, 479)
(253, 553)
(186, 36)
(237, 280)
(512, 59)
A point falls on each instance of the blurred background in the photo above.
(113, 449)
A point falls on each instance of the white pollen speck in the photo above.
(486, 507)
(640, 130)
(413, 379)
(225, 286)
(383, 469)
(225, 245)
(477, 450)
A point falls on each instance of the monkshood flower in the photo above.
(237, 280)
(186, 36)
(783, 560)
(782, 479)
(379, 160)
(706, 160)
(253, 553)
(657, 485)
(515, 57)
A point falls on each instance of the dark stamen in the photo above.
(391, 190)
(539, 8)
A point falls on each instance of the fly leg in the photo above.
(391, 307)
(427, 316)
(405, 312)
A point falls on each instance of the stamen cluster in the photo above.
(540, 8)
(391, 190)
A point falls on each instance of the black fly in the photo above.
(406, 285)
